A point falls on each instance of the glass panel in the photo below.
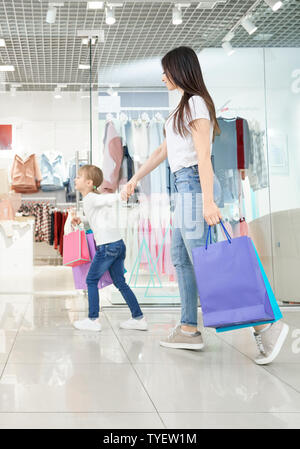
(283, 114)
(45, 117)
(237, 93)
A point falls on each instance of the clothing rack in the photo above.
(42, 199)
(144, 108)
(47, 200)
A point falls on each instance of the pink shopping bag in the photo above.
(76, 250)
(81, 271)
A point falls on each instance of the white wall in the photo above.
(43, 123)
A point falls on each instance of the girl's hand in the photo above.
(75, 221)
(128, 189)
(212, 214)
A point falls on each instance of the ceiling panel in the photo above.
(44, 55)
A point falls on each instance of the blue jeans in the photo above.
(110, 257)
(190, 230)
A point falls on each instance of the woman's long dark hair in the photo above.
(182, 67)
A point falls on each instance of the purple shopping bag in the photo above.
(273, 302)
(80, 272)
(230, 283)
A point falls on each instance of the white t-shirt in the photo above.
(101, 212)
(181, 150)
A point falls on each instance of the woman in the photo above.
(190, 131)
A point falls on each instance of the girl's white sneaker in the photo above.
(87, 325)
(139, 325)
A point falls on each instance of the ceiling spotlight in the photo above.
(13, 89)
(228, 48)
(110, 16)
(248, 25)
(229, 36)
(7, 68)
(95, 5)
(57, 93)
(274, 4)
(51, 14)
(177, 15)
(84, 66)
(2, 43)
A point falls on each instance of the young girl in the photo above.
(100, 211)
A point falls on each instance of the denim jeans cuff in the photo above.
(189, 324)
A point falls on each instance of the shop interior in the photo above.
(74, 74)
(79, 77)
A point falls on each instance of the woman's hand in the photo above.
(128, 189)
(211, 213)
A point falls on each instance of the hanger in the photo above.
(109, 117)
(145, 117)
(23, 154)
(159, 117)
(123, 117)
(232, 112)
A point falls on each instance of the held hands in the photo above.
(128, 189)
(211, 213)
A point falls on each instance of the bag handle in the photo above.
(229, 238)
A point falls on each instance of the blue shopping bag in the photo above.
(273, 302)
(230, 283)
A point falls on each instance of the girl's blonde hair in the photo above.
(93, 173)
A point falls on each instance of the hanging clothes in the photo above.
(258, 170)
(53, 171)
(140, 140)
(158, 176)
(57, 228)
(62, 232)
(41, 213)
(25, 174)
(112, 159)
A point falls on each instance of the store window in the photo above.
(283, 113)
(80, 77)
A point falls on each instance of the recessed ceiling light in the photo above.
(263, 37)
(2, 43)
(84, 66)
(7, 68)
(95, 5)
(209, 4)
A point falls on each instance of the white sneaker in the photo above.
(87, 325)
(270, 342)
(139, 325)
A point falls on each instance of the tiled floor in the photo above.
(52, 375)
